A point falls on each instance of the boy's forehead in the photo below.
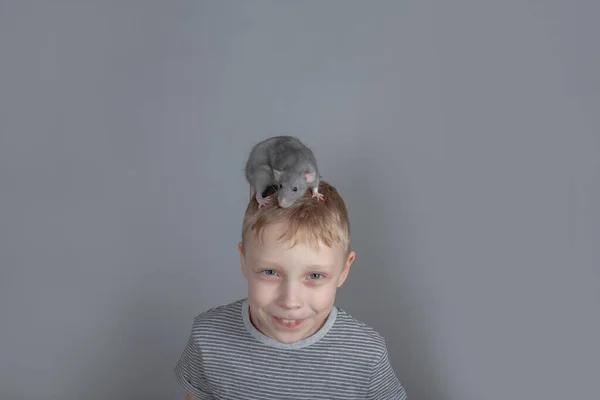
(272, 238)
(276, 234)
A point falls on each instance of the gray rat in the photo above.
(286, 162)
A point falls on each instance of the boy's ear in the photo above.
(242, 259)
(277, 174)
(310, 177)
(347, 265)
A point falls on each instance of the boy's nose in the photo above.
(290, 297)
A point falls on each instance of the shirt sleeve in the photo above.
(384, 383)
(189, 372)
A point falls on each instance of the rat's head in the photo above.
(292, 186)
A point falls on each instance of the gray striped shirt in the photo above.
(227, 358)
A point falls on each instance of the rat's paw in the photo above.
(318, 196)
(263, 201)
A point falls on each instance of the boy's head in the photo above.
(294, 259)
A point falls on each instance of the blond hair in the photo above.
(308, 221)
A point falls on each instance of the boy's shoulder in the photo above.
(357, 331)
(222, 319)
(221, 312)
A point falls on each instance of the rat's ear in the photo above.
(310, 176)
(277, 175)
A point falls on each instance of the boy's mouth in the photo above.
(288, 323)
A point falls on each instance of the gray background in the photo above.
(463, 136)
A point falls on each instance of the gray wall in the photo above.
(463, 136)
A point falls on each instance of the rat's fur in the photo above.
(286, 162)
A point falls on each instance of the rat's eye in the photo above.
(295, 189)
(280, 186)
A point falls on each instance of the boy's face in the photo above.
(291, 290)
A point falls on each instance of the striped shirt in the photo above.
(227, 358)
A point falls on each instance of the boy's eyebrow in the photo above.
(266, 263)
(318, 267)
(262, 264)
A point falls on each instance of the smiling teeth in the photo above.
(288, 321)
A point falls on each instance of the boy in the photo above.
(287, 339)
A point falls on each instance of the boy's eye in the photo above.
(295, 189)
(315, 275)
(269, 272)
(281, 186)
